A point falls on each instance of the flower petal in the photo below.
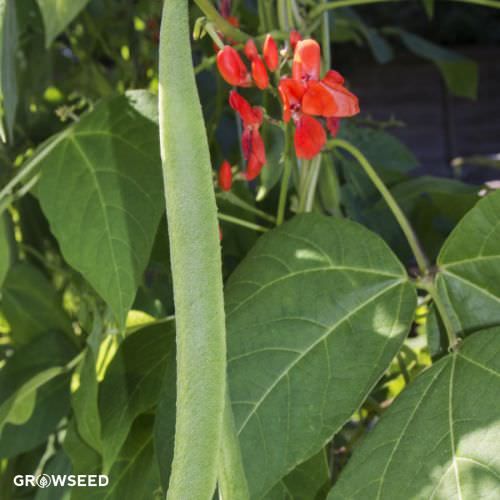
(309, 138)
(291, 93)
(329, 99)
(225, 176)
(333, 125)
(306, 61)
(257, 157)
(251, 116)
(295, 38)
(232, 68)
(259, 73)
(250, 49)
(271, 54)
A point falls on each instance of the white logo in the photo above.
(62, 480)
(43, 481)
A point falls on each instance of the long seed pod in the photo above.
(196, 264)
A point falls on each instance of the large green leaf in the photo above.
(469, 270)
(8, 79)
(31, 305)
(441, 438)
(459, 72)
(101, 190)
(57, 14)
(135, 473)
(315, 313)
(132, 384)
(308, 480)
(29, 368)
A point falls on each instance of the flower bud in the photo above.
(271, 54)
(225, 176)
(232, 68)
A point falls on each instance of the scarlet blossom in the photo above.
(270, 53)
(295, 38)
(259, 73)
(305, 94)
(333, 125)
(250, 49)
(232, 68)
(225, 176)
(251, 140)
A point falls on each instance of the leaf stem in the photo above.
(403, 222)
(238, 202)
(222, 24)
(285, 179)
(242, 223)
(312, 183)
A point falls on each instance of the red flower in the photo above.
(225, 176)
(251, 140)
(333, 125)
(232, 68)
(305, 94)
(271, 54)
(259, 73)
(250, 50)
(295, 38)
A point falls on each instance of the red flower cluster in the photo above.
(251, 140)
(305, 95)
(234, 71)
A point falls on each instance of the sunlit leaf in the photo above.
(314, 318)
(441, 438)
(469, 276)
(101, 190)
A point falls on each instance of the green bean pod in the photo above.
(196, 264)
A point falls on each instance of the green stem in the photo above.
(391, 202)
(195, 263)
(222, 24)
(238, 202)
(312, 183)
(242, 223)
(232, 480)
(325, 32)
(285, 179)
(430, 287)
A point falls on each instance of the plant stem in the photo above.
(343, 3)
(325, 32)
(238, 202)
(222, 24)
(242, 223)
(312, 183)
(403, 222)
(430, 287)
(195, 263)
(232, 480)
(285, 179)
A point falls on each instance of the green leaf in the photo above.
(469, 270)
(132, 384)
(307, 480)
(441, 438)
(26, 371)
(101, 190)
(314, 318)
(460, 73)
(59, 464)
(8, 79)
(57, 14)
(434, 206)
(31, 304)
(52, 404)
(135, 473)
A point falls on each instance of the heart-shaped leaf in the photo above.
(469, 270)
(101, 190)
(441, 438)
(315, 313)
